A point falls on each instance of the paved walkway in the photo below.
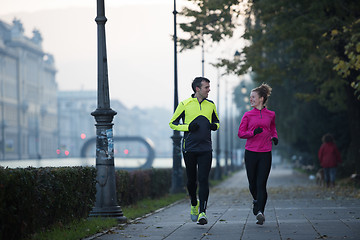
(296, 209)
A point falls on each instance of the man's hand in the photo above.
(193, 127)
(275, 140)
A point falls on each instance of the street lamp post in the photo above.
(226, 148)
(2, 112)
(231, 135)
(218, 168)
(106, 201)
(177, 174)
(202, 57)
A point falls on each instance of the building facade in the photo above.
(76, 126)
(75, 123)
(28, 103)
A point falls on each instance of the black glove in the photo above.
(275, 140)
(193, 127)
(258, 130)
(213, 127)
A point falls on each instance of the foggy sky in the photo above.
(140, 49)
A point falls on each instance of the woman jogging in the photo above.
(258, 128)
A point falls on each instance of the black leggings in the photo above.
(198, 165)
(258, 165)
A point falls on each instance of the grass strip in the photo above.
(75, 230)
(148, 205)
(87, 227)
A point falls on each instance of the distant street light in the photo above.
(243, 88)
(177, 173)
(106, 201)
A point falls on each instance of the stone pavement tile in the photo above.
(268, 231)
(190, 230)
(156, 226)
(230, 230)
(297, 229)
(334, 229)
(322, 219)
(228, 224)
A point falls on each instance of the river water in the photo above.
(71, 162)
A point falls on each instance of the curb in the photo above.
(133, 221)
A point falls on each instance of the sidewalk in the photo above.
(296, 209)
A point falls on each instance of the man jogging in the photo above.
(199, 118)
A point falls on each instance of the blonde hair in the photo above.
(264, 90)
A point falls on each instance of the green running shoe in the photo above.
(202, 219)
(194, 212)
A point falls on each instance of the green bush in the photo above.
(32, 199)
(140, 184)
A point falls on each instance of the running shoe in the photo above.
(260, 218)
(202, 219)
(194, 212)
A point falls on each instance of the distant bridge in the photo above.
(148, 144)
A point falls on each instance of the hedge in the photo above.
(136, 185)
(33, 199)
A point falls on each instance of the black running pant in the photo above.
(198, 165)
(258, 165)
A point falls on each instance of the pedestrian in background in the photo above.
(198, 118)
(329, 157)
(258, 128)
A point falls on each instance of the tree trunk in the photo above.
(353, 151)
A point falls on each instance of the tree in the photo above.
(308, 51)
(289, 49)
(300, 47)
(208, 20)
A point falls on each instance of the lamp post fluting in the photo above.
(226, 147)
(218, 167)
(106, 200)
(177, 174)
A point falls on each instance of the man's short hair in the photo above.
(197, 82)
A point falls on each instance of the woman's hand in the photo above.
(258, 130)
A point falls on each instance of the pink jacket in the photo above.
(258, 118)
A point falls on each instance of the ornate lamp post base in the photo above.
(112, 212)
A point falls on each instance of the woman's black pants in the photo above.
(258, 165)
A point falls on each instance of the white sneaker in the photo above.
(260, 218)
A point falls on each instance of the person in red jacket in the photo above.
(258, 128)
(329, 157)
